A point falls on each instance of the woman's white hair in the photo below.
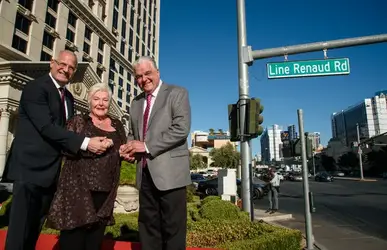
(96, 88)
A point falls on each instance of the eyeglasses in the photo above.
(64, 65)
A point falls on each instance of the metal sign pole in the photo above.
(305, 181)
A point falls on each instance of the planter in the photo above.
(126, 200)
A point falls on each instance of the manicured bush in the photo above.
(190, 193)
(276, 240)
(209, 198)
(221, 210)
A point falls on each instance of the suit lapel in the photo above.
(161, 96)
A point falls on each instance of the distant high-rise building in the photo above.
(370, 114)
(292, 132)
(271, 144)
(316, 141)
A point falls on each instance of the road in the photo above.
(349, 214)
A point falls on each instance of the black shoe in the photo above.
(267, 211)
(273, 211)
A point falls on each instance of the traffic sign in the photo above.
(326, 67)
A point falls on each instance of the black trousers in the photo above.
(29, 208)
(89, 237)
(162, 217)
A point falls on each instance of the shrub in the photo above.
(221, 210)
(210, 198)
(278, 239)
(190, 193)
(128, 174)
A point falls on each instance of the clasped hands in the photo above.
(131, 150)
(99, 145)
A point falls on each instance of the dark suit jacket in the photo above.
(35, 156)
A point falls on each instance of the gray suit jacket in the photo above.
(166, 139)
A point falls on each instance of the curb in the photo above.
(354, 179)
(271, 218)
(316, 245)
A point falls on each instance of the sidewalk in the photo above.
(260, 214)
(336, 237)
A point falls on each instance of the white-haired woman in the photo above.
(87, 187)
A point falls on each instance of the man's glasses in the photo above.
(64, 65)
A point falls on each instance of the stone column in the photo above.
(4, 124)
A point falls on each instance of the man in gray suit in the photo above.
(161, 121)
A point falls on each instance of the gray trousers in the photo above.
(273, 197)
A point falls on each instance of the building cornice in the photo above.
(82, 11)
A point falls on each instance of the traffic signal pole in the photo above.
(246, 56)
(243, 97)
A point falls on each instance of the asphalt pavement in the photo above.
(349, 214)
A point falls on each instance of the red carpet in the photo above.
(49, 242)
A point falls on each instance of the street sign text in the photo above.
(326, 67)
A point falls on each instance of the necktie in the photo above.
(63, 106)
(145, 122)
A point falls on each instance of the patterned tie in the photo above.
(62, 98)
(145, 122)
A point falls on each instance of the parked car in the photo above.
(324, 177)
(210, 187)
(196, 178)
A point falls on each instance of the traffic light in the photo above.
(254, 119)
(233, 121)
(308, 147)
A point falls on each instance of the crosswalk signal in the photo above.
(233, 121)
(254, 119)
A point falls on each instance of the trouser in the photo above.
(162, 217)
(29, 208)
(273, 197)
(88, 237)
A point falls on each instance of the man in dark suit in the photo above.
(35, 158)
(161, 120)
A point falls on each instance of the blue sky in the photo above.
(198, 50)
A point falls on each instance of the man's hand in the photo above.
(128, 151)
(98, 145)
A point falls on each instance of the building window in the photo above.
(131, 35)
(22, 23)
(50, 20)
(71, 27)
(138, 30)
(86, 48)
(125, 8)
(48, 40)
(88, 33)
(123, 29)
(135, 92)
(45, 56)
(130, 54)
(19, 43)
(132, 17)
(121, 85)
(115, 18)
(99, 73)
(119, 103)
(26, 4)
(122, 48)
(137, 45)
(53, 4)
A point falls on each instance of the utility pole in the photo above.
(243, 96)
(359, 151)
(246, 57)
(305, 182)
(314, 164)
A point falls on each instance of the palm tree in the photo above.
(220, 131)
(211, 130)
